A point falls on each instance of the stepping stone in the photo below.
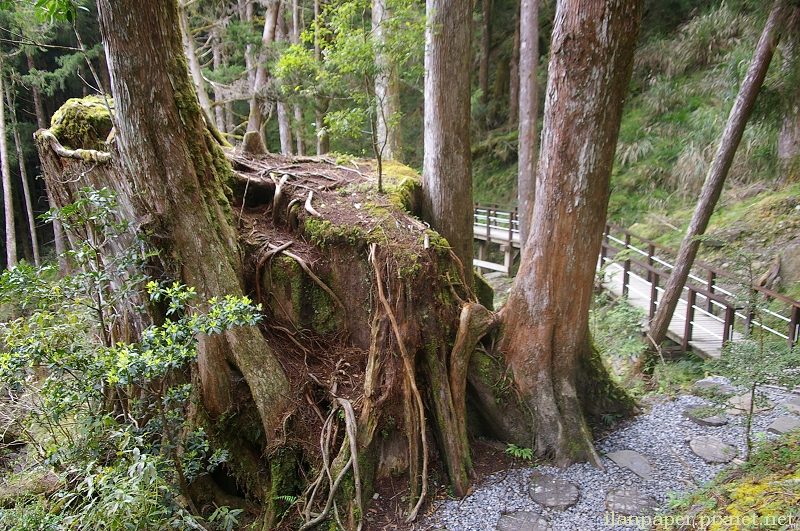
(782, 425)
(712, 449)
(554, 492)
(740, 405)
(716, 383)
(713, 420)
(633, 461)
(523, 521)
(630, 501)
(793, 405)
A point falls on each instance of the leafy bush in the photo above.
(109, 417)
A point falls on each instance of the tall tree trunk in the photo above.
(447, 168)
(386, 93)
(179, 173)
(298, 130)
(546, 319)
(789, 137)
(323, 139)
(194, 63)
(8, 197)
(483, 66)
(513, 93)
(219, 104)
(447, 162)
(284, 118)
(255, 119)
(26, 192)
(528, 113)
(298, 112)
(41, 117)
(41, 121)
(712, 188)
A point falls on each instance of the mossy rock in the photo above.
(83, 123)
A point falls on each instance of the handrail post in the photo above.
(651, 250)
(727, 331)
(626, 267)
(488, 223)
(511, 227)
(653, 295)
(794, 326)
(710, 287)
(603, 245)
(748, 321)
(687, 329)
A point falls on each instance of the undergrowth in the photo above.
(762, 493)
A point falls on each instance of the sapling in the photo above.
(756, 360)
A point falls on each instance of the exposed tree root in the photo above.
(309, 208)
(85, 155)
(327, 435)
(409, 370)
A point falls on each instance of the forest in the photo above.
(238, 288)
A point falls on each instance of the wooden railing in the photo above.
(708, 290)
(493, 222)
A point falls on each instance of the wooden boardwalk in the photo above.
(707, 316)
(706, 340)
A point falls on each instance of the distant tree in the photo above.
(447, 164)
(8, 196)
(545, 337)
(23, 174)
(387, 96)
(712, 188)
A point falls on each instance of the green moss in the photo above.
(83, 123)
(484, 292)
(322, 233)
(403, 185)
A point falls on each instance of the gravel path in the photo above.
(661, 435)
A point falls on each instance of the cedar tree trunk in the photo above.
(447, 163)
(386, 93)
(546, 319)
(712, 188)
(8, 197)
(178, 172)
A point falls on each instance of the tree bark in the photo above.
(26, 191)
(194, 64)
(284, 118)
(789, 137)
(8, 198)
(513, 92)
(323, 139)
(255, 120)
(219, 104)
(386, 93)
(483, 66)
(177, 173)
(712, 188)
(447, 162)
(528, 113)
(298, 112)
(546, 319)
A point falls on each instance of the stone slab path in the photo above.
(607, 499)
